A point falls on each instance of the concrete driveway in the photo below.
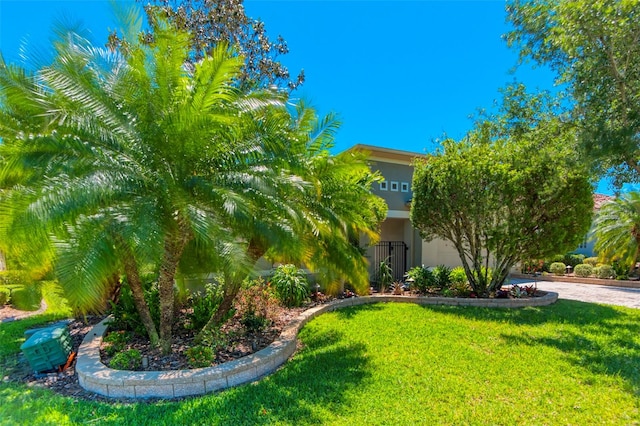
(592, 293)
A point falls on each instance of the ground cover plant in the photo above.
(569, 363)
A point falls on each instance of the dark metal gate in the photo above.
(394, 254)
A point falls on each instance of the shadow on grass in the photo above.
(600, 338)
(317, 378)
(352, 311)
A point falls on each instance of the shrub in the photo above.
(27, 297)
(532, 266)
(290, 283)
(483, 271)
(5, 295)
(256, 305)
(583, 270)
(593, 261)
(13, 276)
(573, 259)
(126, 316)
(199, 356)
(458, 276)
(604, 272)
(458, 289)
(204, 304)
(557, 268)
(621, 270)
(442, 277)
(423, 278)
(384, 275)
(126, 360)
(214, 338)
(115, 342)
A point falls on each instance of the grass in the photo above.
(569, 363)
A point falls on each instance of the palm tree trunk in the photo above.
(230, 292)
(135, 284)
(174, 246)
(3, 261)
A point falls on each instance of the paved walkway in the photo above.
(591, 293)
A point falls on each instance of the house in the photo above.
(400, 243)
(586, 248)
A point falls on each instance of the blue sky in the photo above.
(400, 74)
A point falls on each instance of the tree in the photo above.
(137, 154)
(212, 23)
(594, 46)
(617, 229)
(512, 189)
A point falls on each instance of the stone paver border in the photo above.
(94, 376)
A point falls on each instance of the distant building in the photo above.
(586, 247)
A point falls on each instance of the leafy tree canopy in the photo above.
(594, 46)
(214, 22)
(512, 189)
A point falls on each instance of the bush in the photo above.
(13, 276)
(423, 278)
(532, 266)
(5, 296)
(458, 289)
(290, 283)
(621, 270)
(458, 276)
(204, 304)
(26, 298)
(557, 268)
(115, 342)
(199, 356)
(442, 276)
(593, 261)
(127, 360)
(384, 275)
(583, 270)
(573, 259)
(125, 314)
(483, 271)
(256, 305)
(604, 272)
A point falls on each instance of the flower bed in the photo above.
(94, 376)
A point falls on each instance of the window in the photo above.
(394, 186)
(583, 245)
(404, 187)
(383, 186)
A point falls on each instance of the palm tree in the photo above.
(617, 229)
(135, 155)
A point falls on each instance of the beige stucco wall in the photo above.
(440, 252)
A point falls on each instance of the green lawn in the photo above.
(569, 363)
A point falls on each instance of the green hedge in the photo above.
(557, 268)
(593, 261)
(604, 272)
(5, 296)
(26, 298)
(13, 277)
(583, 270)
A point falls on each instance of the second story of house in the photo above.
(396, 167)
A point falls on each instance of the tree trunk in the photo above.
(137, 291)
(173, 248)
(3, 261)
(230, 292)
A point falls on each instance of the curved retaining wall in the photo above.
(94, 376)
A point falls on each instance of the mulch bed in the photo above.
(240, 344)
